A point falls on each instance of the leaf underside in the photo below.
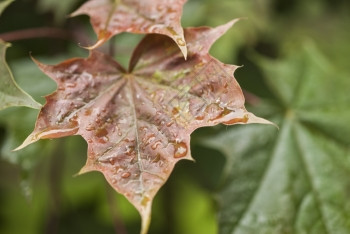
(296, 181)
(10, 93)
(109, 18)
(138, 123)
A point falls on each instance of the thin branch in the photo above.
(35, 33)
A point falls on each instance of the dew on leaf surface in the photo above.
(180, 150)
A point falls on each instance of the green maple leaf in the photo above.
(10, 93)
(18, 122)
(295, 180)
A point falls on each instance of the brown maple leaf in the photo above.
(138, 122)
(110, 17)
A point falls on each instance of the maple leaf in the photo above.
(138, 122)
(296, 181)
(110, 17)
(10, 93)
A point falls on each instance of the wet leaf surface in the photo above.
(296, 180)
(138, 122)
(109, 18)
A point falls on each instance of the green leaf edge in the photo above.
(28, 101)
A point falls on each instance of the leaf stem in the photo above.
(36, 33)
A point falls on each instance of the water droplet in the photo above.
(67, 95)
(105, 139)
(71, 85)
(119, 133)
(156, 144)
(174, 33)
(145, 200)
(114, 181)
(199, 65)
(151, 139)
(73, 123)
(129, 150)
(90, 128)
(169, 123)
(160, 7)
(238, 120)
(180, 42)
(211, 87)
(175, 111)
(111, 161)
(87, 112)
(180, 150)
(126, 175)
(133, 160)
(222, 112)
(156, 158)
(102, 140)
(101, 132)
(200, 117)
(143, 128)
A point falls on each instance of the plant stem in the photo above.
(35, 33)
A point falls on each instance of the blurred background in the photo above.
(279, 42)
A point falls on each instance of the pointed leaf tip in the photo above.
(200, 39)
(29, 140)
(255, 119)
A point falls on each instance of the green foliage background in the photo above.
(246, 179)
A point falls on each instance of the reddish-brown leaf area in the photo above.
(110, 17)
(138, 122)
